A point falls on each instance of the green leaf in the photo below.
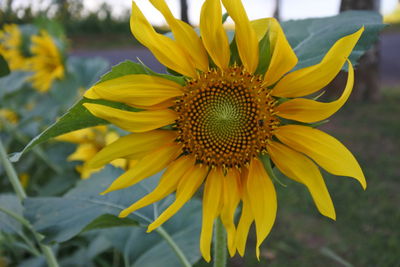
(78, 117)
(13, 82)
(312, 38)
(264, 54)
(235, 58)
(184, 229)
(4, 69)
(83, 208)
(128, 67)
(87, 71)
(7, 223)
(53, 27)
(225, 16)
(108, 220)
(125, 68)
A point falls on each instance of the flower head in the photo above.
(11, 47)
(46, 62)
(8, 115)
(238, 109)
(90, 141)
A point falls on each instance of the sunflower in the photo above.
(232, 116)
(90, 141)
(46, 62)
(8, 115)
(11, 47)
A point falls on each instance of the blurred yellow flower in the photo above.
(46, 61)
(226, 119)
(24, 178)
(8, 115)
(90, 141)
(11, 47)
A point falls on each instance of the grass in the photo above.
(366, 232)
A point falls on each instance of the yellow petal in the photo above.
(136, 122)
(111, 137)
(120, 163)
(168, 183)
(283, 58)
(137, 89)
(134, 145)
(188, 185)
(212, 198)
(324, 149)
(185, 35)
(230, 202)
(263, 202)
(246, 218)
(84, 152)
(213, 34)
(167, 51)
(311, 79)
(86, 172)
(245, 35)
(307, 110)
(81, 136)
(301, 169)
(91, 94)
(163, 105)
(147, 166)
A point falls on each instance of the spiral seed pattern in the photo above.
(225, 117)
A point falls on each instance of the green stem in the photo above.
(25, 223)
(11, 173)
(220, 253)
(20, 192)
(185, 262)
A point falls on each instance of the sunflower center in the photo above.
(225, 117)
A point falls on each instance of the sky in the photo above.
(290, 9)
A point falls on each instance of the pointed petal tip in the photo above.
(258, 252)
(232, 252)
(150, 228)
(331, 215)
(105, 192)
(123, 214)
(363, 183)
(207, 258)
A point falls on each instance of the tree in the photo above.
(184, 11)
(277, 9)
(367, 73)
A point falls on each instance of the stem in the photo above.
(20, 192)
(25, 223)
(185, 262)
(220, 252)
(11, 173)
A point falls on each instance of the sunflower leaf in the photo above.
(82, 209)
(312, 38)
(7, 223)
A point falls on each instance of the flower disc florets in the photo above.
(225, 117)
